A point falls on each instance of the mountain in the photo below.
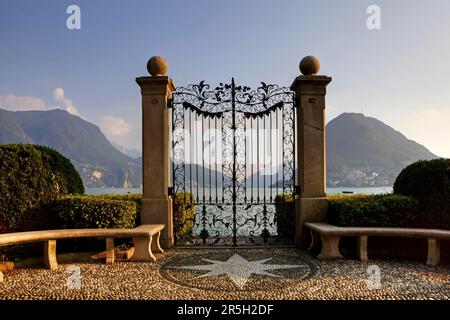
(363, 151)
(132, 153)
(95, 158)
(269, 177)
(211, 176)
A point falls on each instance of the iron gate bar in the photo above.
(254, 105)
(233, 128)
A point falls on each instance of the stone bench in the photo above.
(330, 236)
(145, 240)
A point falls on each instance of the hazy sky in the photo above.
(399, 74)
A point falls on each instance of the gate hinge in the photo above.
(170, 191)
(297, 190)
(169, 103)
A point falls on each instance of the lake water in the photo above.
(361, 190)
(378, 190)
(113, 190)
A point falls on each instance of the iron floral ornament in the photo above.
(227, 210)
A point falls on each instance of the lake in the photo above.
(362, 190)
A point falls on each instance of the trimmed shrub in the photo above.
(183, 203)
(83, 211)
(184, 214)
(4, 227)
(184, 210)
(134, 197)
(77, 212)
(66, 176)
(428, 182)
(284, 215)
(31, 176)
(371, 210)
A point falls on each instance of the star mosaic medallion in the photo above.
(231, 271)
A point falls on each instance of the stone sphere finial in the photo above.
(157, 66)
(309, 65)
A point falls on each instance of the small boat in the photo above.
(347, 192)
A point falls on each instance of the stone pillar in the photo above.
(156, 92)
(311, 203)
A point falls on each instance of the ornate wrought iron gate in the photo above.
(233, 152)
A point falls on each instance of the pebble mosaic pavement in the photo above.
(172, 277)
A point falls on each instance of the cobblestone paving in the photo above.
(176, 276)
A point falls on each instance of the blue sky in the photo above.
(398, 74)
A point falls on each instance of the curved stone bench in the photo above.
(330, 236)
(145, 240)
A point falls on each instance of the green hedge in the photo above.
(183, 204)
(184, 214)
(184, 210)
(284, 215)
(82, 211)
(429, 182)
(107, 211)
(77, 212)
(372, 210)
(31, 176)
(134, 197)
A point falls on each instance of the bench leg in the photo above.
(50, 254)
(311, 245)
(314, 241)
(330, 247)
(434, 252)
(110, 251)
(143, 250)
(362, 248)
(155, 244)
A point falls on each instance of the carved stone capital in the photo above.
(162, 85)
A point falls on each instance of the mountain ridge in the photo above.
(99, 163)
(132, 153)
(361, 151)
(364, 151)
